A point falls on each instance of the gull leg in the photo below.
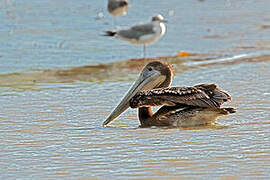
(114, 21)
(144, 51)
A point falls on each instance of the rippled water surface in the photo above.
(59, 80)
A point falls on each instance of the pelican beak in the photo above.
(146, 81)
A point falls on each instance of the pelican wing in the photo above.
(203, 95)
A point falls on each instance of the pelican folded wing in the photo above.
(200, 96)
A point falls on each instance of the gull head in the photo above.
(158, 18)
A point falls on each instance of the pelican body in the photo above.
(181, 106)
(142, 33)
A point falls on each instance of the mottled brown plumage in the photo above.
(203, 95)
(181, 106)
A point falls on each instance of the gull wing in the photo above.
(137, 31)
(203, 95)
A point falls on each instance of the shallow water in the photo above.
(59, 80)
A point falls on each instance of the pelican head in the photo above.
(154, 75)
(158, 18)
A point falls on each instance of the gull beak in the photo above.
(146, 81)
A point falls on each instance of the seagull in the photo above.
(142, 33)
(117, 7)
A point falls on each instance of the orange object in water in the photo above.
(183, 54)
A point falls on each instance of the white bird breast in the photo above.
(150, 38)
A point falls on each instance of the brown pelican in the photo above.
(181, 106)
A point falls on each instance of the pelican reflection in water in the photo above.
(181, 106)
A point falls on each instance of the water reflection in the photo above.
(122, 70)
